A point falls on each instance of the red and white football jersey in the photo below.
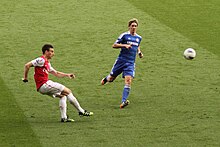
(41, 69)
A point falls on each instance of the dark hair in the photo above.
(46, 47)
(132, 20)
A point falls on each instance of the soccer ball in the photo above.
(189, 54)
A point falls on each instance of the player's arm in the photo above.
(62, 74)
(140, 54)
(118, 45)
(27, 66)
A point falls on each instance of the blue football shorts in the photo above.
(126, 68)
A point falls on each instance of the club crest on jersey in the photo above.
(45, 70)
(137, 40)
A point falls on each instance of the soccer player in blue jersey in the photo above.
(129, 43)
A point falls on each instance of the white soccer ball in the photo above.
(189, 54)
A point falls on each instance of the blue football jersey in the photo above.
(128, 55)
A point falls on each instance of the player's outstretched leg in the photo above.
(76, 104)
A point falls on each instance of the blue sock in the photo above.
(126, 92)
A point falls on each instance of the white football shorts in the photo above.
(51, 88)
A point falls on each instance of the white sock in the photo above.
(62, 105)
(74, 102)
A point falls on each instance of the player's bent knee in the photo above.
(128, 80)
(66, 91)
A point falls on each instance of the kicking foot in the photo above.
(103, 81)
(86, 113)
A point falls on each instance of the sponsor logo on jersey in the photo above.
(132, 43)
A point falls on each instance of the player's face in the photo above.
(50, 53)
(133, 28)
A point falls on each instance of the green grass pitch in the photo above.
(174, 102)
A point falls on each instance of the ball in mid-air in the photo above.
(189, 54)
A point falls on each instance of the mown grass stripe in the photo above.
(14, 128)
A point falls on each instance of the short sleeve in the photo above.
(38, 62)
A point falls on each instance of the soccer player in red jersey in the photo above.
(42, 68)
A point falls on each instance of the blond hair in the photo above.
(132, 20)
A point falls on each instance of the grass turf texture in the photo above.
(174, 102)
(14, 130)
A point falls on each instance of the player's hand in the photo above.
(128, 46)
(140, 54)
(71, 76)
(24, 80)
